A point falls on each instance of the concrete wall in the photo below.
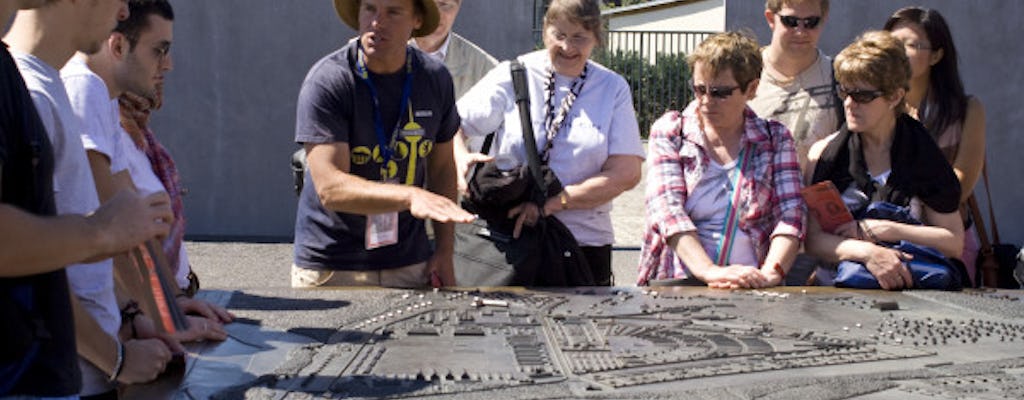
(699, 16)
(987, 37)
(229, 112)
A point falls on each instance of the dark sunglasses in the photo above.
(859, 96)
(791, 21)
(718, 92)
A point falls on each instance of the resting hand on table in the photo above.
(735, 277)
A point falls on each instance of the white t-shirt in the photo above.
(91, 102)
(75, 193)
(601, 123)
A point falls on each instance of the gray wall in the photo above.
(987, 36)
(229, 112)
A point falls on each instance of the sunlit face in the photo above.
(800, 38)
(97, 19)
(385, 26)
(569, 46)
(867, 109)
(919, 50)
(720, 98)
(143, 68)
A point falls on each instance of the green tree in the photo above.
(656, 88)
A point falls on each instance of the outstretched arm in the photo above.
(341, 191)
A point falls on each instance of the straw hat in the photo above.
(348, 11)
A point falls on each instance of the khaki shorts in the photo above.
(410, 276)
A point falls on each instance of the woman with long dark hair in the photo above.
(936, 98)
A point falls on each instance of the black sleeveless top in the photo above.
(919, 168)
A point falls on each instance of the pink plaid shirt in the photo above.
(770, 202)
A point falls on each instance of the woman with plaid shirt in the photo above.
(698, 227)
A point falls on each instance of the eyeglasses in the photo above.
(916, 46)
(859, 96)
(718, 92)
(577, 40)
(792, 22)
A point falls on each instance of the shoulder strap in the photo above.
(991, 210)
(840, 113)
(519, 84)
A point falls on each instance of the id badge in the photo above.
(381, 230)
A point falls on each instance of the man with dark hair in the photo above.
(93, 82)
(377, 118)
(42, 40)
(38, 356)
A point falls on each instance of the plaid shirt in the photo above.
(770, 202)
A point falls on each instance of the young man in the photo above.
(797, 87)
(42, 40)
(134, 58)
(377, 118)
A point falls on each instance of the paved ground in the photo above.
(255, 265)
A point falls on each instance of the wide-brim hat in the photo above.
(348, 11)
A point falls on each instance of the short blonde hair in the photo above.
(586, 13)
(734, 51)
(875, 58)
(775, 5)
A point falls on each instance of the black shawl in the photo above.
(918, 168)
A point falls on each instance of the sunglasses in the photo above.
(718, 92)
(859, 96)
(792, 22)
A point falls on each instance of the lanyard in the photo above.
(724, 251)
(386, 147)
(553, 123)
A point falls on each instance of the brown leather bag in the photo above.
(996, 260)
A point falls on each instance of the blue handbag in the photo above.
(928, 267)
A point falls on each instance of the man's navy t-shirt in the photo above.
(335, 105)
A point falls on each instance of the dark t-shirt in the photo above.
(335, 105)
(27, 160)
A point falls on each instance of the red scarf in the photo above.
(135, 119)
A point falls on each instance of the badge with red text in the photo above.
(381, 230)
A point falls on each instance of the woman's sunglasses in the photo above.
(791, 21)
(718, 92)
(859, 96)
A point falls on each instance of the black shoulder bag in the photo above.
(545, 254)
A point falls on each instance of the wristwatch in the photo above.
(564, 198)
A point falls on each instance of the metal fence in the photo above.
(654, 64)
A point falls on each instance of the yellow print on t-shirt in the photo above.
(362, 155)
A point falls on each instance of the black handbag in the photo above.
(545, 254)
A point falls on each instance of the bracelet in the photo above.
(119, 364)
(778, 269)
(128, 314)
(867, 230)
(564, 198)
